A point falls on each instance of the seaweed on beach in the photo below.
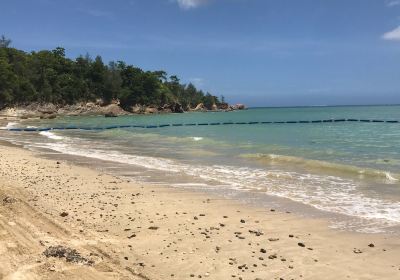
(9, 200)
(70, 255)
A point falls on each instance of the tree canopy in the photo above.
(48, 76)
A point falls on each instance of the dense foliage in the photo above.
(50, 77)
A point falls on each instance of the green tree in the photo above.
(7, 83)
(209, 101)
(4, 42)
(97, 75)
(50, 76)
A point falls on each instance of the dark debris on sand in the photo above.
(70, 255)
(9, 200)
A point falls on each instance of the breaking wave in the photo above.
(327, 193)
(324, 166)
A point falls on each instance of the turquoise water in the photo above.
(349, 169)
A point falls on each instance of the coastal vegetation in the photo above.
(48, 76)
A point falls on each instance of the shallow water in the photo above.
(349, 170)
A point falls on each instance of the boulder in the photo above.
(200, 107)
(239, 107)
(110, 115)
(116, 101)
(29, 115)
(48, 116)
(224, 106)
(214, 107)
(90, 105)
(150, 110)
(47, 108)
(166, 108)
(137, 109)
(177, 108)
(112, 110)
(172, 108)
(99, 102)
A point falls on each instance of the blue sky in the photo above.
(258, 52)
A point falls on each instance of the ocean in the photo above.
(347, 172)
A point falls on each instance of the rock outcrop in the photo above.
(137, 109)
(151, 110)
(171, 108)
(223, 106)
(200, 108)
(166, 108)
(239, 107)
(48, 116)
(220, 107)
(47, 109)
(113, 109)
(177, 108)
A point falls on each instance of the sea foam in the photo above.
(9, 125)
(197, 138)
(51, 135)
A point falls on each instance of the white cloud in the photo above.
(190, 4)
(393, 3)
(393, 35)
(198, 82)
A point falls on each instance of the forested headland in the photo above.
(48, 76)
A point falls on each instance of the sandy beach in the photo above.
(199, 139)
(60, 221)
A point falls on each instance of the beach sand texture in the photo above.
(60, 221)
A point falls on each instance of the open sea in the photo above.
(348, 172)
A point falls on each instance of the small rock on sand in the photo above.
(63, 214)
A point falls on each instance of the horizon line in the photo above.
(316, 106)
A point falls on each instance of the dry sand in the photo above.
(109, 228)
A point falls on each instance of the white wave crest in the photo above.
(9, 125)
(390, 178)
(51, 135)
(196, 138)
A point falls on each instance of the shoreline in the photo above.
(52, 111)
(149, 232)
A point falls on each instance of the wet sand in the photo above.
(60, 221)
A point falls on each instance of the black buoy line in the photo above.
(200, 124)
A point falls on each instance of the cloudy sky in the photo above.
(259, 52)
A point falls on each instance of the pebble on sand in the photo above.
(64, 214)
